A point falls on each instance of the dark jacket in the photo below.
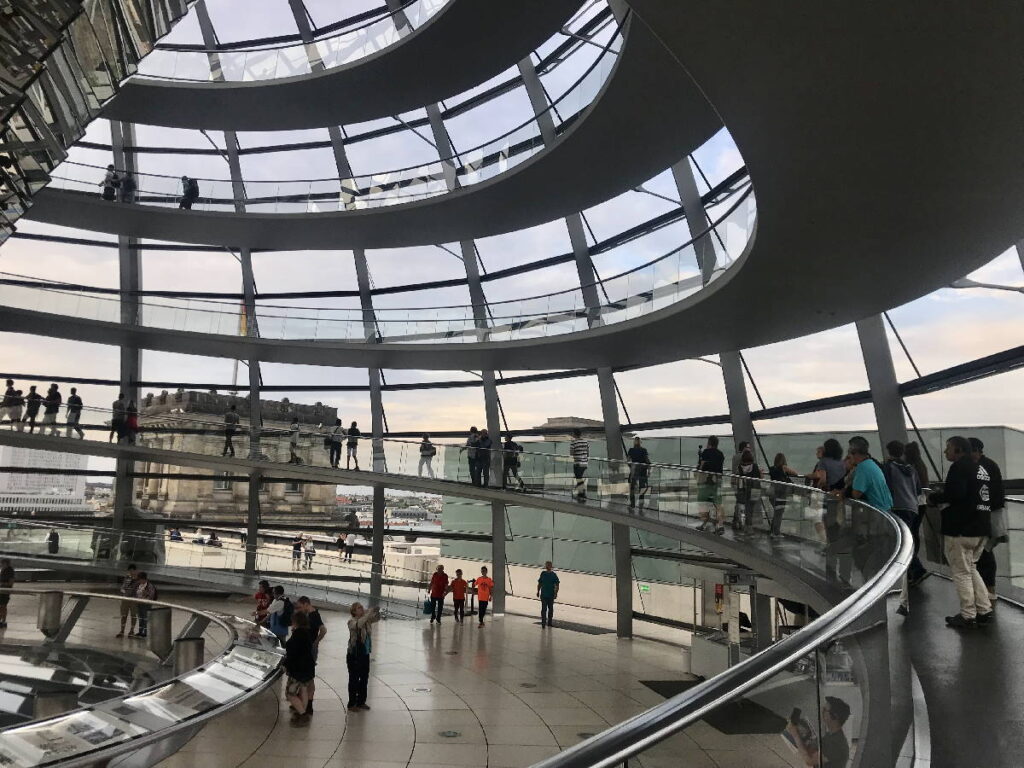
(298, 655)
(965, 494)
(996, 491)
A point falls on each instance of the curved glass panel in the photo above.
(269, 62)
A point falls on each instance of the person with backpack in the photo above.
(357, 657)
(780, 472)
(472, 449)
(279, 614)
(510, 454)
(352, 446)
(128, 187)
(639, 470)
(333, 440)
(111, 182)
(748, 475)
(300, 665)
(904, 487)
(144, 590)
(427, 453)
(190, 192)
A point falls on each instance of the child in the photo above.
(457, 588)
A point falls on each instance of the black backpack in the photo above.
(287, 612)
(193, 188)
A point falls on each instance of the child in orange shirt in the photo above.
(484, 585)
(457, 588)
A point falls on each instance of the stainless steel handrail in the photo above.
(630, 737)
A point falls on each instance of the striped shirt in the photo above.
(580, 452)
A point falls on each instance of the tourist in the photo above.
(997, 503)
(511, 452)
(33, 402)
(301, 668)
(747, 480)
(293, 441)
(579, 450)
(74, 416)
(189, 193)
(427, 453)
(357, 658)
(639, 470)
(279, 614)
(297, 542)
(966, 524)
(175, 535)
(129, 608)
(904, 486)
(111, 182)
(214, 540)
(230, 427)
(51, 409)
(131, 422)
(780, 473)
(832, 750)
(912, 455)
(484, 585)
(144, 590)
(6, 582)
(53, 542)
(317, 630)
(352, 519)
(309, 552)
(128, 187)
(15, 410)
(117, 417)
(472, 448)
(483, 458)
(334, 438)
(8, 402)
(737, 458)
(340, 543)
(712, 464)
(828, 475)
(438, 589)
(262, 598)
(352, 446)
(738, 506)
(868, 482)
(547, 591)
(457, 589)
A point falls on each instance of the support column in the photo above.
(130, 282)
(623, 558)
(736, 396)
(885, 390)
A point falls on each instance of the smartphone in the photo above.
(794, 716)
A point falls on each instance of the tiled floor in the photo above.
(503, 696)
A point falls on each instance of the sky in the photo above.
(940, 329)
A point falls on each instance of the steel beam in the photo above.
(885, 390)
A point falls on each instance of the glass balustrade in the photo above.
(654, 285)
(272, 62)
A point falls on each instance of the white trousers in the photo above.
(963, 552)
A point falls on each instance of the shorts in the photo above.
(708, 492)
(128, 608)
(352, 449)
(296, 554)
(5, 598)
(49, 418)
(295, 687)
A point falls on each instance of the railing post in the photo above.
(188, 654)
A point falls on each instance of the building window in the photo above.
(292, 488)
(221, 482)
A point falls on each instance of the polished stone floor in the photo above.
(503, 696)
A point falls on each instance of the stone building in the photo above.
(193, 422)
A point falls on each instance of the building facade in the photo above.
(193, 422)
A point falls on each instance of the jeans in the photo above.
(484, 471)
(358, 676)
(579, 471)
(637, 480)
(474, 471)
(547, 610)
(143, 618)
(426, 462)
(335, 454)
(963, 552)
(229, 447)
(73, 425)
(436, 608)
(482, 610)
(459, 609)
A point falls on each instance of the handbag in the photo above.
(428, 607)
